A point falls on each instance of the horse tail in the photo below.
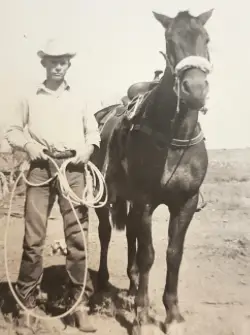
(119, 214)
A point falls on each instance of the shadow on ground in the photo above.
(113, 302)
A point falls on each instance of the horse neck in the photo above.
(185, 127)
(161, 112)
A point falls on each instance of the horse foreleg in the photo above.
(180, 218)
(145, 260)
(132, 268)
(104, 230)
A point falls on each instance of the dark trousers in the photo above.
(38, 205)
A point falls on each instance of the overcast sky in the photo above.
(118, 43)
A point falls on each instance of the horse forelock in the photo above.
(184, 15)
(186, 36)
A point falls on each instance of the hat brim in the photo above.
(42, 54)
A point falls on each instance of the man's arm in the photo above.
(15, 134)
(92, 139)
(91, 130)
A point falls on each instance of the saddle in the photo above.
(104, 114)
(135, 95)
(141, 88)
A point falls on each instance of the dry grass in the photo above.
(227, 195)
(231, 166)
(227, 184)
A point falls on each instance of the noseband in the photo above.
(190, 62)
(197, 62)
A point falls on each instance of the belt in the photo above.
(60, 154)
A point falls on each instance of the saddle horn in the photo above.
(163, 54)
(157, 74)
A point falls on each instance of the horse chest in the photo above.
(181, 179)
(185, 176)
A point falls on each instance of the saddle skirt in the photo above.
(135, 95)
(118, 110)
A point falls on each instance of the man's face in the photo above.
(56, 67)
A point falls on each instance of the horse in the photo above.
(156, 154)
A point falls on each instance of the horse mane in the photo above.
(151, 96)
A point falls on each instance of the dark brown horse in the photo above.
(158, 156)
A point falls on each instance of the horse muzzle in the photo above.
(191, 84)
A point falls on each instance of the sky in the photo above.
(118, 43)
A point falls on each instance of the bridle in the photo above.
(189, 62)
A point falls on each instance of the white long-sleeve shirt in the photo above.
(56, 120)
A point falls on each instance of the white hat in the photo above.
(54, 48)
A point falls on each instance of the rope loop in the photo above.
(94, 177)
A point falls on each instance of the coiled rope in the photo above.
(93, 177)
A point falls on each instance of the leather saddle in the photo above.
(135, 91)
(141, 88)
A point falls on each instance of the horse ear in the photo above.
(204, 17)
(163, 19)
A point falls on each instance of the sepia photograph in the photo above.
(124, 167)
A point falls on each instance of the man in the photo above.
(52, 118)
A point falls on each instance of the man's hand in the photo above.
(35, 151)
(83, 155)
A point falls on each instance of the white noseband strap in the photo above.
(193, 62)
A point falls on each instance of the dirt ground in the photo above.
(214, 287)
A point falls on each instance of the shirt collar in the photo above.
(42, 88)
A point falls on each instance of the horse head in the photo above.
(187, 55)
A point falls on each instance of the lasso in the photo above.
(93, 177)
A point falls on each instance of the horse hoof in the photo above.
(175, 328)
(129, 302)
(148, 329)
(136, 329)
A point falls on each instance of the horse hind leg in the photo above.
(180, 218)
(121, 219)
(119, 216)
(132, 268)
(104, 230)
(124, 217)
(145, 259)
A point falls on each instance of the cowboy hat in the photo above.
(55, 48)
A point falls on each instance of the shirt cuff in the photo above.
(94, 140)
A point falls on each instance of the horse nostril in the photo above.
(186, 86)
